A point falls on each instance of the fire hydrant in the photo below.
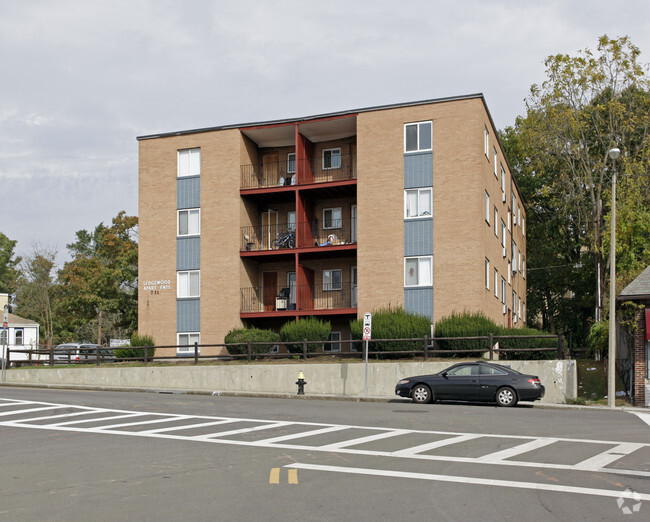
(301, 383)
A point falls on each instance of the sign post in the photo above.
(5, 340)
(367, 335)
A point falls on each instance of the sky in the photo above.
(81, 80)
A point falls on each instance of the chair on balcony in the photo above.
(249, 244)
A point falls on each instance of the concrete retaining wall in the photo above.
(338, 379)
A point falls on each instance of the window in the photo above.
(523, 226)
(496, 283)
(189, 222)
(523, 267)
(495, 161)
(503, 290)
(188, 283)
(514, 210)
(186, 342)
(488, 370)
(418, 137)
(486, 143)
(496, 222)
(291, 163)
(503, 235)
(332, 217)
(291, 221)
(514, 305)
(332, 280)
(333, 346)
(3, 337)
(331, 159)
(189, 162)
(417, 203)
(488, 274)
(487, 207)
(418, 271)
(467, 369)
(503, 184)
(18, 334)
(509, 272)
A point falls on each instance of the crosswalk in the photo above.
(620, 457)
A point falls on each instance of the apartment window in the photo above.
(487, 207)
(291, 162)
(503, 290)
(503, 234)
(514, 305)
(486, 143)
(513, 246)
(332, 280)
(518, 214)
(186, 342)
(18, 337)
(189, 222)
(331, 159)
(496, 283)
(335, 342)
(3, 337)
(188, 283)
(503, 183)
(291, 221)
(523, 226)
(418, 271)
(417, 203)
(523, 267)
(509, 272)
(495, 161)
(189, 162)
(332, 217)
(488, 274)
(418, 136)
(496, 222)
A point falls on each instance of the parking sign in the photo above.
(367, 326)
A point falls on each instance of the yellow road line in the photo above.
(293, 476)
(274, 478)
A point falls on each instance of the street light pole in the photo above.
(611, 357)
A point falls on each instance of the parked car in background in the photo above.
(71, 353)
(473, 381)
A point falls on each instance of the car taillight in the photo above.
(534, 381)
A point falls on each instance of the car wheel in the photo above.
(421, 394)
(506, 396)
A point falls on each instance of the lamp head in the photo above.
(614, 153)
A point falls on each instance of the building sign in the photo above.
(154, 286)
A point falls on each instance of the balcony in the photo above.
(314, 235)
(284, 174)
(301, 300)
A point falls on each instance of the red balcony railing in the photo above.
(328, 296)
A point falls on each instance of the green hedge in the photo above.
(293, 333)
(478, 325)
(254, 335)
(137, 353)
(393, 323)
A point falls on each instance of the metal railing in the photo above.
(326, 296)
(317, 233)
(279, 174)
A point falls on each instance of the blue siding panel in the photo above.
(188, 253)
(188, 315)
(419, 301)
(418, 170)
(418, 237)
(188, 192)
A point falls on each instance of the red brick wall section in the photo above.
(640, 363)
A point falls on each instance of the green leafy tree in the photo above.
(588, 104)
(8, 264)
(102, 277)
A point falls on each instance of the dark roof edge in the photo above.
(316, 117)
(633, 297)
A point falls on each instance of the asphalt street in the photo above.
(82, 455)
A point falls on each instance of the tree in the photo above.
(36, 288)
(101, 279)
(588, 104)
(8, 264)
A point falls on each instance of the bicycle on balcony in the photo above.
(286, 240)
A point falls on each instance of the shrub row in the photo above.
(133, 352)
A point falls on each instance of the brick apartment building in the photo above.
(332, 216)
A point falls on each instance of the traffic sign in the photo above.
(367, 327)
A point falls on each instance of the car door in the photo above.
(491, 379)
(460, 383)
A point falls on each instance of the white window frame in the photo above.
(291, 221)
(181, 273)
(334, 223)
(496, 283)
(503, 183)
(523, 226)
(19, 332)
(332, 285)
(503, 234)
(290, 156)
(421, 147)
(332, 152)
(486, 142)
(189, 212)
(187, 347)
(421, 261)
(488, 273)
(496, 222)
(503, 290)
(487, 207)
(334, 345)
(496, 172)
(523, 267)
(419, 193)
(189, 162)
